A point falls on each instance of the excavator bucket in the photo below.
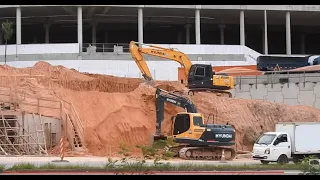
(159, 137)
(152, 138)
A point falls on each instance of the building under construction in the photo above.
(31, 126)
(18, 137)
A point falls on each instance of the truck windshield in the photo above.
(266, 139)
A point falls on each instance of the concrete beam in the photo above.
(69, 10)
(90, 12)
(105, 10)
(314, 8)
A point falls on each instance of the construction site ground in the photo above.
(118, 110)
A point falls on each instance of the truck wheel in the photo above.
(283, 159)
(264, 162)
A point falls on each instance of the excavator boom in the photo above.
(166, 53)
(162, 97)
(200, 77)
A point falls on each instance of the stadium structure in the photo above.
(103, 32)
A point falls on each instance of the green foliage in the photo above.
(7, 30)
(310, 169)
(2, 168)
(22, 166)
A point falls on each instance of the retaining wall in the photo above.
(292, 89)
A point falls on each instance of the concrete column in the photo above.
(288, 34)
(197, 26)
(188, 27)
(80, 33)
(1, 37)
(47, 33)
(18, 25)
(179, 37)
(303, 44)
(221, 27)
(265, 34)
(140, 25)
(242, 30)
(94, 33)
(106, 37)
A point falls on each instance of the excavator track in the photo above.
(207, 153)
(217, 91)
(203, 153)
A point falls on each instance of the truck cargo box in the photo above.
(304, 136)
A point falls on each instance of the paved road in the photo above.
(101, 161)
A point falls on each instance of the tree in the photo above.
(7, 34)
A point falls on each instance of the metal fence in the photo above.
(277, 78)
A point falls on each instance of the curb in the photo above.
(142, 172)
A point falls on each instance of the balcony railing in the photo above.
(105, 47)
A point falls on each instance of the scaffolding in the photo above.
(14, 137)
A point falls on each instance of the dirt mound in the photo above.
(240, 71)
(118, 110)
(308, 68)
(112, 118)
(102, 84)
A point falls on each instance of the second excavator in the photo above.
(201, 77)
(197, 139)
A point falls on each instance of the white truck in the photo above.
(290, 141)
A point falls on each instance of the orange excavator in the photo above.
(201, 77)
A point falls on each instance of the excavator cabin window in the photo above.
(200, 71)
(197, 121)
(181, 124)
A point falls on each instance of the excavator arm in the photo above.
(162, 97)
(167, 53)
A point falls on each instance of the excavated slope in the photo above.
(118, 110)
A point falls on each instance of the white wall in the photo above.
(40, 48)
(161, 70)
(251, 55)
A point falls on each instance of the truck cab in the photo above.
(273, 147)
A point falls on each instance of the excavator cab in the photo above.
(200, 76)
(190, 128)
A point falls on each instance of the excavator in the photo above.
(201, 77)
(196, 139)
